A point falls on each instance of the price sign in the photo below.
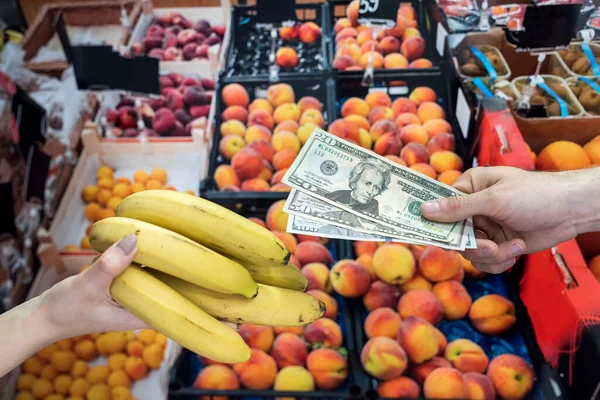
(378, 12)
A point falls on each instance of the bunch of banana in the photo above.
(198, 263)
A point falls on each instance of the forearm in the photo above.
(24, 330)
(584, 200)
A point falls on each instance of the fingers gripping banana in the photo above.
(173, 315)
(174, 254)
(272, 306)
(288, 277)
(207, 223)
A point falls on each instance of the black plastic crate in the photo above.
(250, 43)
(338, 10)
(187, 365)
(319, 87)
(520, 340)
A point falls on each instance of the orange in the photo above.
(89, 193)
(91, 212)
(113, 202)
(105, 213)
(123, 180)
(116, 361)
(170, 187)
(79, 387)
(79, 369)
(106, 183)
(140, 176)
(118, 378)
(32, 366)
(146, 336)
(97, 374)
(562, 155)
(138, 187)
(153, 184)
(25, 381)
(103, 196)
(122, 190)
(160, 174)
(104, 172)
(41, 388)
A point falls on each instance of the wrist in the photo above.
(42, 320)
(584, 200)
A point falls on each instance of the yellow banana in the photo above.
(174, 254)
(207, 223)
(288, 277)
(272, 306)
(176, 317)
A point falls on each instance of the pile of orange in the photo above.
(564, 155)
(62, 370)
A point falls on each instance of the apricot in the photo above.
(447, 383)
(349, 278)
(294, 378)
(318, 276)
(381, 113)
(414, 153)
(217, 377)
(562, 155)
(382, 321)
(331, 306)
(418, 338)
(438, 265)
(429, 110)
(422, 94)
(260, 104)
(381, 294)
(280, 93)
(328, 368)
(355, 106)
(258, 373)
(289, 349)
(511, 375)
(313, 252)
(257, 336)
(234, 94)
(376, 57)
(421, 303)
(480, 386)
(416, 282)
(393, 264)
(420, 372)
(276, 219)
(492, 314)
(323, 332)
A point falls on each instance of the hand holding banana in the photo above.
(203, 262)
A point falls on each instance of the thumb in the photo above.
(453, 209)
(113, 261)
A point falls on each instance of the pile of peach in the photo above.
(104, 197)
(63, 369)
(308, 32)
(292, 358)
(563, 155)
(399, 47)
(407, 290)
(410, 131)
(262, 138)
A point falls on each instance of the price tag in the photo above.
(440, 40)
(378, 12)
(463, 113)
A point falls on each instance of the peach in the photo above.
(285, 140)
(420, 372)
(438, 264)
(364, 35)
(404, 105)
(257, 132)
(454, 298)
(562, 155)
(416, 282)
(343, 63)
(425, 169)
(312, 116)
(323, 332)
(289, 349)
(399, 388)
(381, 113)
(480, 386)
(443, 161)
(418, 338)
(383, 321)
(466, 356)
(381, 294)
(361, 247)
(421, 303)
(235, 112)
(422, 94)
(230, 144)
(341, 24)
(468, 267)
(389, 143)
(366, 260)
(288, 125)
(312, 252)
(349, 278)
(492, 314)
(294, 260)
(280, 330)
(378, 99)
(261, 117)
(443, 342)
(288, 111)
(345, 33)
(511, 375)
(281, 187)
(233, 127)
(289, 33)
(280, 93)
(345, 130)
(247, 163)
(377, 60)
(393, 264)
(317, 275)
(305, 131)
(284, 159)
(256, 184)
(219, 377)
(449, 177)
(345, 41)
(257, 336)
(417, 250)
(260, 104)
(446, 383)
(331, 306)
(355, 105)
(429, 110)
(422, 63)
(414, 153)
(264, 148)
(396, 159)
(309, 32)
(368, 45)
(352, 12)
(276, 218)
(436, 127)
(235, 94)
(395, 61)
(364, 139)
(405, 119)
(380, 128)
(407, 11)
(349, 50)
(414, 133)
(225, 175)
(286, 57)
(359, 120)
(383, 358)
(410, 32)
(442, 142)
(328, 367)
(258, 373)
(413, 48)
(288, 240)
(390, 44)
(294, 379)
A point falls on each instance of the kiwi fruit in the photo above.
(570, 58)
(584, 89)
(576, 90)
(590, 100)
(559, 89)
(537, 99)
(554, 109)
(581, 65)
(558, 71)
(471, 69)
